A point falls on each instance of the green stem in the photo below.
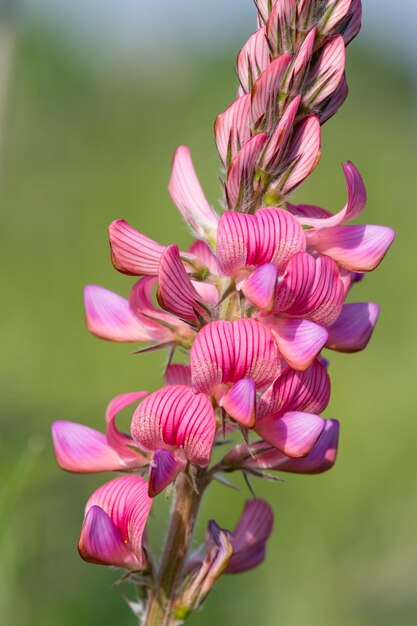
(159, 611)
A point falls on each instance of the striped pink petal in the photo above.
(126, 503)
(133, 253)
(266, 90)
(250, 536)
(176, 418)
(303, 154)
(357, 248)
(253, 59)
(239, 402)
(278, 142)
(327, 72)
(187, 195)
(120, 442)
(204, 254)
(177, 374)
(240, 176)
(259, 287)
(280, 27)
(356, 202)
(264, 8)
(232, 129)
(164, 468)
(260, 456)
(301, 61)
(353, 328)
(225, 352)
(271, 236)
(333, 14)
(299, 341)
(108, 316)
(176, 292)
(82, 450)
(330, 106)
(294, 432)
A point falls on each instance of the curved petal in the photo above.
(334, 13)
(278, 142)
(250, 536)
(239, 402)
(177, 374)
(232, 129)
(299, 341)
(101, 542)
(351, 25)
(356, 202)
(126, 502)
(176, 292)
(133, 253)
(357, 248)
(271, 236)
(303, 154)
(259, 287)
(240, 175)
(83, 450)
(253, 59)
(204, 253)
(353, 328)
(265, 91)
(164, 469)
(118, 441)
(280, 27)
(327, 72)
(228, 351)
(187, 195)
(108, 316)
(294, 433)
(330, 106)
(175, 417)
(161, 324)
(262, 457)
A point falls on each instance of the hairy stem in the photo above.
(159, 611)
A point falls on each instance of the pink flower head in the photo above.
(287, 413)
(231, 360)
(83, 450)
(176, 420)
(260, 456)
(114, 523)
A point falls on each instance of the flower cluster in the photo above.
(253, 301)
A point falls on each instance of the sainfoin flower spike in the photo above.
(252, 303)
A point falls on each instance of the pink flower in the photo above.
(83, 450)
(179, 426)
(114, 523)
(231, 360)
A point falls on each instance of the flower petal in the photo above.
(177, 374)
(125, 500)
(204, 253)
(187, 195)
(164, 469)
(277, 144)
(162, 325)
(120, 442)
(176, 293)
(351, 25)
(250, 536)
(108, 316)
(101, 542)
(303, 154)
(353, 328)
(174, 417)
(299, 341)
(266, 90)
(327, 72)
(241, 173)
(356, 202)
(333, 14)
(259, 287)
(357, 248)
(253, 59)
(232, 129)
(330, 106)
(280, 27)
(294, 433)
(83, 450)
(133, 253)
(239, 402)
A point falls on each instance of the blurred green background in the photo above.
(83, 144)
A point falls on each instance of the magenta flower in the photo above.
(250, 305)
(114, 523)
